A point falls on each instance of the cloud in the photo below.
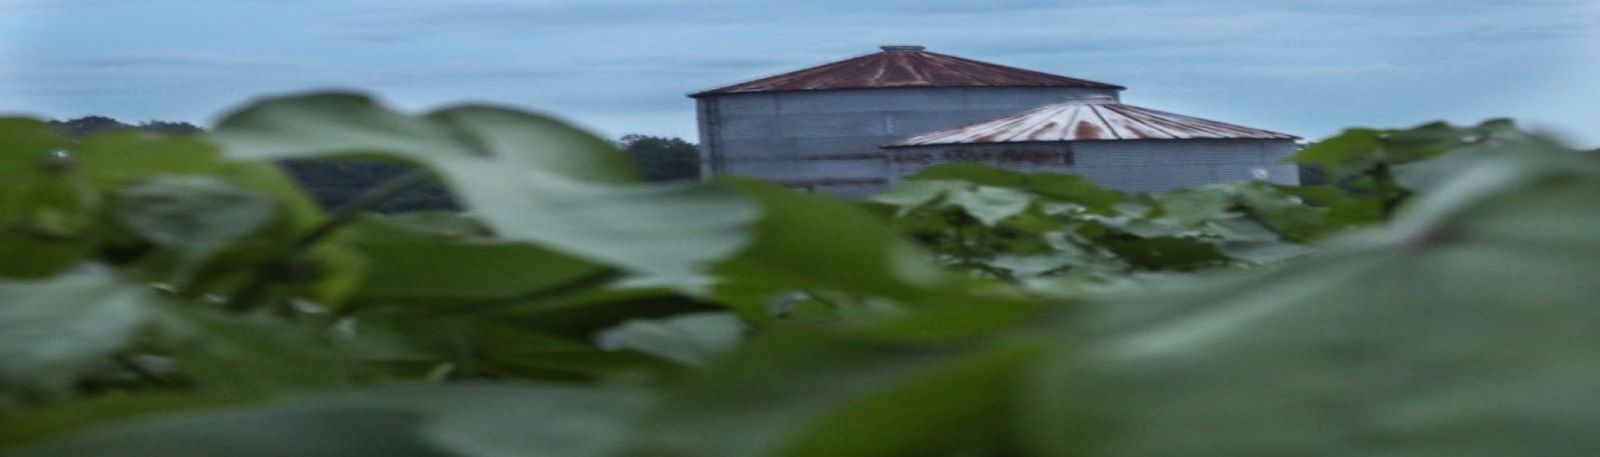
(45, 4)
(1306, 66)
(132, 61)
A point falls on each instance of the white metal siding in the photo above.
(1134, 166)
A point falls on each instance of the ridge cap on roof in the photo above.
(722, 87)
(1105, 85)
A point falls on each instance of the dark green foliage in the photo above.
(87, 126)
(183, 296)
(337, 183)
(662, 158)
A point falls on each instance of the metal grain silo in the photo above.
(823, 128)
(1122, 147)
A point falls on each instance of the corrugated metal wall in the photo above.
(829, 141)
(1132, 166)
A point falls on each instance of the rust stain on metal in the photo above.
(1045, 130)
(1086, 130)
(905, 66)
(911, 158)
(1142, 133)
(1090, 121)
(1029, 156)
(836, 182)
(1021, 155)
(865, 156)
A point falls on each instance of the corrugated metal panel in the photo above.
(805, 170)
(904, 66)
(1078, 121)
(1150, 166)
(746, 105)
(805, 138)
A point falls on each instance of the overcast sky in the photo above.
(1307, 67)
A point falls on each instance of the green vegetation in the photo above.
(335, 183)
(182, 296)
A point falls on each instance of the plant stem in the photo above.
(589, 281)
(348, 212)
(246, 298)
(1389, 195)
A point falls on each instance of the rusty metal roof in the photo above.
(904, 66)
(1090, 121)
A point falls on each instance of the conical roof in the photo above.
(905, 66)
(1090, 121)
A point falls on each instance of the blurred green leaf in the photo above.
(441, 225)
(410, 268)
(794, 395)
(987, 204)
(508, 351)
(540, 143)
(531, 178)
(307, 431)
(1349, 149)
(915, 193)
(582, 314)
(114, 159)
(29, 426)
(1167, 253)
(1467, 328)
(671, 231)
(26, 144)
(467, 421)
(1058, 187)
(230, 354)
(689, 339)
(812, 241)
(300, 212)
(319, 125)
(990, 205)
(26, 257)
(193, 216)
(53, 330)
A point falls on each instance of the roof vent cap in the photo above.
(902, 48)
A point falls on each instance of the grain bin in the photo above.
(856, 126)
(822, 128)
(1122, 147)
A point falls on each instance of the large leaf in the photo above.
(233, 354)
(194, 215)
(318, 125)
(43, 194)
(1468, 328)
(531, 178)
(43, 207)
(510, 352)
(818, 242)
(666, 230)
(405, 266)
(28, 257)
(311, 431)
(828, 396)
(25, 145)
(1357, 155)
(540, 143)
(690, 339)
(53, 330)
(466, 421)
(115, 159)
